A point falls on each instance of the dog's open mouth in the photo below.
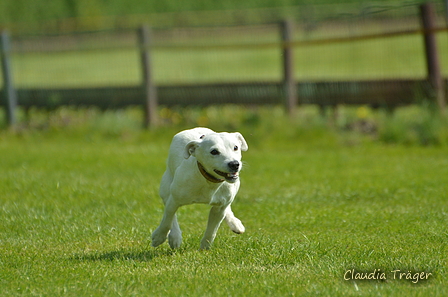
(230, 177)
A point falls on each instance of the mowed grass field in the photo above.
(77, 211)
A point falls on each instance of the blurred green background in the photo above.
(32, 10)
(208, 42)
(87, 44)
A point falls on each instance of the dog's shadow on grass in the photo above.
(146, 255)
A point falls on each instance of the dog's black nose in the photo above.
(234, 165)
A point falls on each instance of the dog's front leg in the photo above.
(215, 218)
(160, 234)
(233, 222)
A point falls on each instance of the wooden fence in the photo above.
(289, 92)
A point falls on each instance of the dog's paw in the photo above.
(205, 245)
(236, 226)
(157, 238)
(175, 240)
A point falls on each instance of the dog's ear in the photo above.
(243, 142)
(190, 149)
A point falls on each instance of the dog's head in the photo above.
(219, 154)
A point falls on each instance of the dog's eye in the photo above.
(214, 152)
(235, 148)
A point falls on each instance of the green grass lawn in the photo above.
(77, 211)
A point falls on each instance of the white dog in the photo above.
(202, 167)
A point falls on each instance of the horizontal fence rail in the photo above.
(254, 45)
(381, 93)
(287, 91)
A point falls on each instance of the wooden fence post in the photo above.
(432, 58)
(149, 87)
(8, 84)
(446, 12)
(288, 67)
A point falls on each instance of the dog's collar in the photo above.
(208, 176)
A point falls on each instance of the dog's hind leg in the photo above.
(215, 218)
(160, 234)
(175, 236)
(233, 222)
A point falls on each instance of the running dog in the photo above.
(202, 167)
